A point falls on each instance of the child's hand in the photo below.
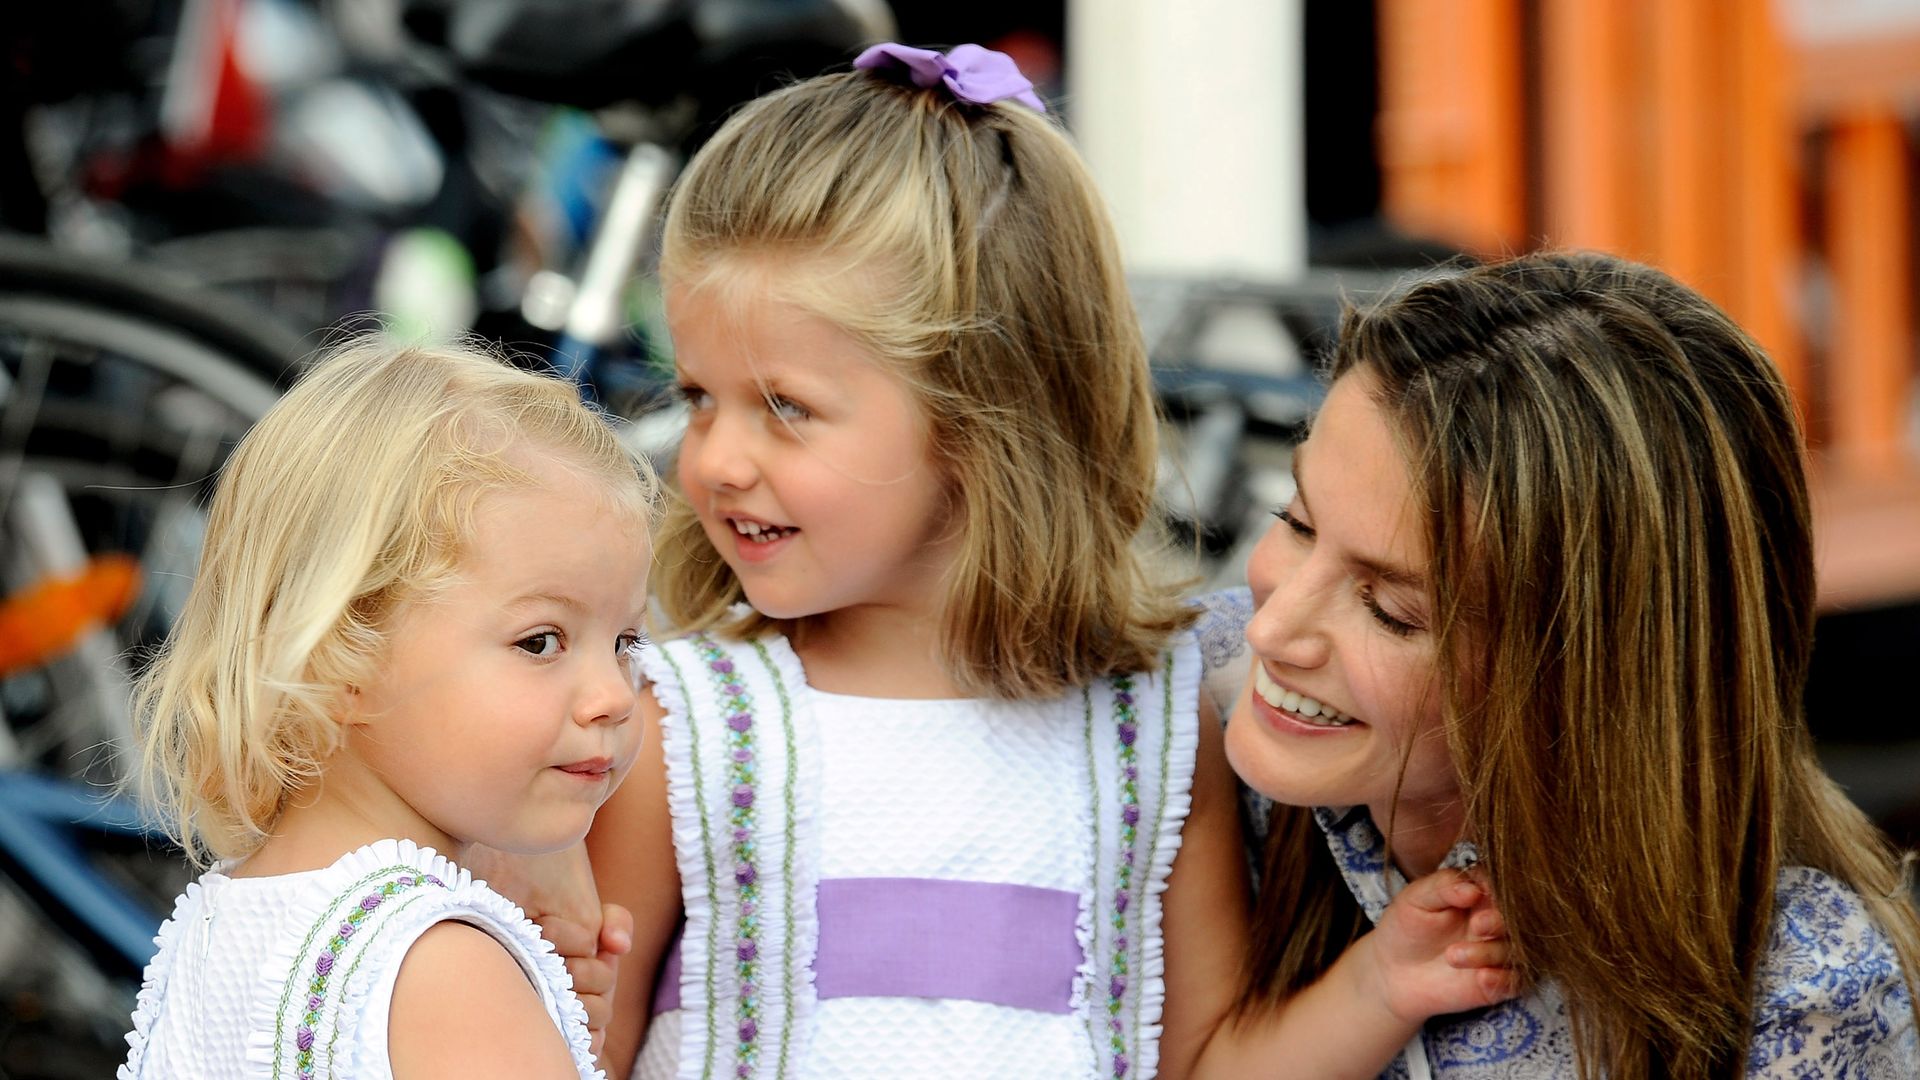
(594, 963)
(557, 892)
(1441, 948)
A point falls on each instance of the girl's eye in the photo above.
(1392, 623)
(787, 409)
(629, 648)
(544, 643)
(695, 397)
(1300, 528)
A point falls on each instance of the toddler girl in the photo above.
(413, 629)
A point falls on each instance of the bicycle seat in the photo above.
(592, 53)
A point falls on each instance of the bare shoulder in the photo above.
(462, 1007)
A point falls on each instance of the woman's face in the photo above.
(1343, 689)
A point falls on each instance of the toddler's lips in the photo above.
(590, 769)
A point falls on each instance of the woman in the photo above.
(1545, 599)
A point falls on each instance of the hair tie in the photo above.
(972, 73)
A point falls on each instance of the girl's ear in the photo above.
(355, 709)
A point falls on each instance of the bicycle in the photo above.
(120, 395)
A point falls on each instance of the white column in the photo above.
(1190, 114)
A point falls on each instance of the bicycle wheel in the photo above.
(121, 394)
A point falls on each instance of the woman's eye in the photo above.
(1300, 528)
(1394, 624)
(544, 643)
(695, 397)
(787, 408)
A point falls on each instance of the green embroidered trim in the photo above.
(1160, 806)
(286, 992)
(1126, 892)
(1094, 892)
(786, 861)
(400, 876)
(333, 1039)
(706, 851)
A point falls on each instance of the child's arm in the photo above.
(558, 893)
(1439, 948)
(1205, 910)
(463, 1008)
(631, 844)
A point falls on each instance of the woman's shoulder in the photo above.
(1830, 996)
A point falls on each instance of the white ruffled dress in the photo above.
(291, 976)
(909, 888)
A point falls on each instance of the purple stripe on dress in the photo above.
(666, 985)
(924, 937)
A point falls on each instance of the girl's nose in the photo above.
(611, 693)
(717, 458)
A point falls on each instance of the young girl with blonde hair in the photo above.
(413, 630)
(1550, 573)
(934, 771)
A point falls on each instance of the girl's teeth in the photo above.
(760, 534)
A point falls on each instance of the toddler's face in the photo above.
(505, 714)
(1344, 677)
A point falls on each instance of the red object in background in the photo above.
(213, 110)
(46, 619)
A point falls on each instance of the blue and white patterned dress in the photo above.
(1830, 1002)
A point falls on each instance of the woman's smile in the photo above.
(1297, 707)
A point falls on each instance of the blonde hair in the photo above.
(967, 247)
(1617, 506)
(353, 495)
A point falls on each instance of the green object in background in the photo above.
(424, 291)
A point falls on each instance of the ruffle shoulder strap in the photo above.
(350, 931)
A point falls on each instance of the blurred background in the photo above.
(194, 194)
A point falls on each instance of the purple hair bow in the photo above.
(971, 72)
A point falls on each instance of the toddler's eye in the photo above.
(544, 643)
(787, 408)
(629, 648)
(695, 397)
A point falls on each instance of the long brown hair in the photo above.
(1613, 475)
(967, 247)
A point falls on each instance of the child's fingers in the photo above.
(1442, 890)
(593, 983)
(1487, 924)
(1497, 984)
(616, 929)
(1479, 954)
(569, 938)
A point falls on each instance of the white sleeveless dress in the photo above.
(907, 888)
(291, 976)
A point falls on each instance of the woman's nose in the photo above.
(1292, 591)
